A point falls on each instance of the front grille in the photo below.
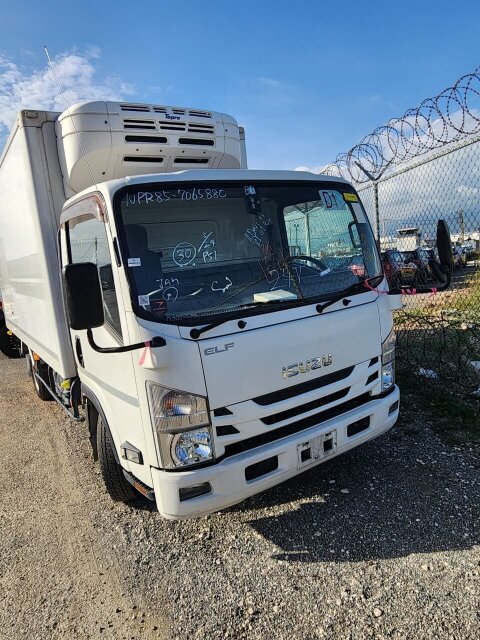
(227, 430)
(303, 387)
(222, 411)
(296, 411)
(295, 427)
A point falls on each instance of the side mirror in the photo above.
(444, 244)
(442, 270)
(83, 296)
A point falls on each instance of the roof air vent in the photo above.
(191, 160)
(130, 123)
(147, 139)
(134, 107)
(143, 159)
(195, 113)
(204, 142)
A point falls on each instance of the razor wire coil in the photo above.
(443, 119)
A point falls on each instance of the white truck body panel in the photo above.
(30, 206)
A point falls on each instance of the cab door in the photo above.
(109, 376)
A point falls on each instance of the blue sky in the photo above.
(307, 79)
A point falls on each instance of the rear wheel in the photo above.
(9, 344)
(117, 486)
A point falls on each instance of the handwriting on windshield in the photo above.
(256, 232)
(170, 294)
(158, 197)
(148, 197)
(168, 289)
(171, 281)
(218, 287)
(276, 269)
(185, 253)
(207, 248)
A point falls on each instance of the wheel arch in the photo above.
(93, 410)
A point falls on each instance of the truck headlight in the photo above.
(388, 361)
(192, 447)
(182, 426)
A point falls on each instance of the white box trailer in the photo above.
(162, 291)
(31, 200)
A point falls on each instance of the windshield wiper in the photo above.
(356, 287)
(196, 333)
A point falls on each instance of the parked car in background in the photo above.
(459, 257)
(9, 344)
(397, 271)
(419, 257)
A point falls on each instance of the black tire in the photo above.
(42, 370)
(119, 489)
(9, 344)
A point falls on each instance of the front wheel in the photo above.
(40, 369)
(117, 486)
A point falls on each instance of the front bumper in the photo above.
(228, 478)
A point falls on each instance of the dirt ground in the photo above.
(58, 579)
(382, 542)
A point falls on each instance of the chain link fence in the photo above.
(413, 171)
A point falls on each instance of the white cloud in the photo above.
(76, 75)
(311, 169)
(467, 191)
(269, 82)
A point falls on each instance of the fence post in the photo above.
(307, 234)
(377, 211)
(375, 180)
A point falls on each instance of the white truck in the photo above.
(162, 294)
(408, 239)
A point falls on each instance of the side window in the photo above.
(88, 243)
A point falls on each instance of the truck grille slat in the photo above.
(303, 387)
(295, 427)
(296, 411)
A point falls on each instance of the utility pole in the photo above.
(461, 222)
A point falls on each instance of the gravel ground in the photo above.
(383, 542)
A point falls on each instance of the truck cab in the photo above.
(271, 360)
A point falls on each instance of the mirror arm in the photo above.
(157, 341)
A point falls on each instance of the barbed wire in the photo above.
(444, 119)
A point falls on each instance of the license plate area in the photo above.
(316, 448)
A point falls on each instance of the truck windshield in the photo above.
(201, 250)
